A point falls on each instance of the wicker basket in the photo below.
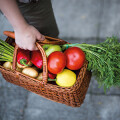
(71, 96)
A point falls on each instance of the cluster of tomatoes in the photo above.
(72, 58)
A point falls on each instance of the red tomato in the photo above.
(75, 58)
(51, 75)
(56, 62)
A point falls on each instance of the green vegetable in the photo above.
(104, 61)
(103, 58)
(46, 46)
(52, 48)
(6, 51)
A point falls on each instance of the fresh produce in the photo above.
(52, 48)
(75, 58)
(66, 78)
(23, 66)
(6, 51)
(51, 75)
(17, 68)
(7, 65)
(30, 72)
(36, 58)
(23, 57)
(46, 46)
(56, 62)
(40, 76)
(104, 61)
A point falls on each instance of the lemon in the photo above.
(66, 78)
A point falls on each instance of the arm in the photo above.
(24, 33)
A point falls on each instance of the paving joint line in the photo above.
(100, 17)
(25, 106)
(103, 94)
(76, 38)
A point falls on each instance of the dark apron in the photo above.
(40, 15)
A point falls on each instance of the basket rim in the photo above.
(49, 85)
(84, 68)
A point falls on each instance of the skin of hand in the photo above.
(25, 34)
(26, 38)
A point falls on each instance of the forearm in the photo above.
(24, 33)
(12, 13)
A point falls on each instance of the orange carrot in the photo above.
(9, 34)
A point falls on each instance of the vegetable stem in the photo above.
(51, 79)
(103, 60)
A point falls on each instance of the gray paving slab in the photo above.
(104, 107)
(4, 83)
(80, 41)
(95, 107)
(77, 18)
(110, 19)
(12, 103)
(4, 26)
(43, 109)
(95, 89)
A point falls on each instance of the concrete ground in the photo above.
(88, 21)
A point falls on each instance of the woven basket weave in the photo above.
(71, 96)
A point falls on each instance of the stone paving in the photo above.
(88, 21)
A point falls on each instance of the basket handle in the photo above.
(51, 40)
(47, 40)
(45, 71)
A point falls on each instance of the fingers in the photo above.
(27, 38)
(33, 48)
(29, 46)
(40, 36)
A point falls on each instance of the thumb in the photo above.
(40, 36)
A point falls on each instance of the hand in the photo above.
(25, 34)
(26, 37)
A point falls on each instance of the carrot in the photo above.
(9, 34)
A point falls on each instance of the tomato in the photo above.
(51, 75)
(56, 62)
(75, 58)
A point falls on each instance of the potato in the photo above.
(7, 65)
(40, 77)
(30, 72)
(18, 69)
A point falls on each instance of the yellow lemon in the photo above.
(66, 78)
